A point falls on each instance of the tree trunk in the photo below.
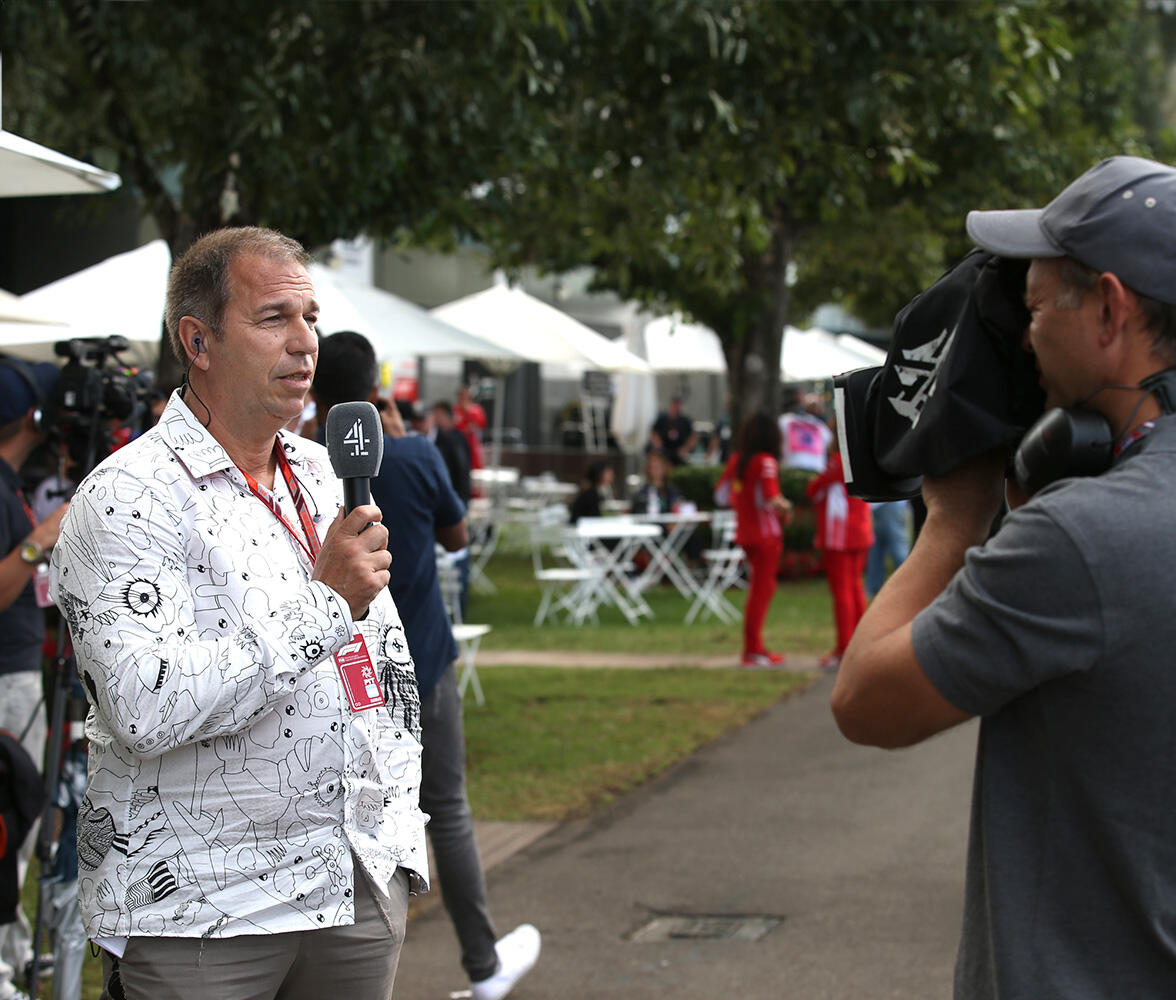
(753, 354)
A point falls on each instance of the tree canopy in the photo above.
(740, 160)
(730, 158)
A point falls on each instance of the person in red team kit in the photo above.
(751, 485)
(470, 419)
(845, 532)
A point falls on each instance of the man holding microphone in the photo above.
(251, 826)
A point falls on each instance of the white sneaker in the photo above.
(517, 954)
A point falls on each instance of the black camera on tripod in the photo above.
(96, 388)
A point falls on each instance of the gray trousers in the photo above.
(451, 827)
(357, 962)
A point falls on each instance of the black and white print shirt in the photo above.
(230, 783)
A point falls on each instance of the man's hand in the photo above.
(391, 422)
(354, 559)
(965, 501)
(47, 531)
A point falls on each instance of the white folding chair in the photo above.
(467, 637)
(485, 529)
(565, 588)
(724, 564)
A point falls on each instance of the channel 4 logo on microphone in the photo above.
(357, 439)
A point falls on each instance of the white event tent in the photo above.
(537, 331)
(814, 355)
(672, 345)
(123, 295)
(28, 169)
(395, 326)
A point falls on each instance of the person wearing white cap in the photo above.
(1058, 630)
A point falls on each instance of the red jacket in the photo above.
(844, 523)
(756, 521)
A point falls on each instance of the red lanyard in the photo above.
(1141, 431)
(311, 545)
(27, 509)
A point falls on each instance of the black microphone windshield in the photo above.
(355, 440)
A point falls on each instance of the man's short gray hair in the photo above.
(199, 282)
(1076, 279)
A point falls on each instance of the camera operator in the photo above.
(25, 390)
(1059, 629)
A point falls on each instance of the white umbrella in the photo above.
(13, 310)
(815, 355)
(27, 168)
(395, 326)
(123, 295)
(867, 352)
(674, 346)
(538, 332)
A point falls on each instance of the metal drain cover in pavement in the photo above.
(703, 927)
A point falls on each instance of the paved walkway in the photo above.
(858, 854)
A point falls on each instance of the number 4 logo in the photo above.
(357, 439)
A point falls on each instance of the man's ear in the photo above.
(1115, 306)
(194, 336)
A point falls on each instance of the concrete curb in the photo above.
(799, 662)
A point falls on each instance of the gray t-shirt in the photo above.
(1061, 633)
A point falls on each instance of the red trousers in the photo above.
(763, 559)
(844, 572)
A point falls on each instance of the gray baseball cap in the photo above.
(1119, 216)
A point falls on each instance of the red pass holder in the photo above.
(41, 586)
(359, 676)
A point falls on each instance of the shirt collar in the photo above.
(202, 454)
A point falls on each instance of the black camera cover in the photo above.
(956, 382)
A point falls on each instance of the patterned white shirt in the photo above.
(229, 780)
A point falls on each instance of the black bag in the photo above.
(956, 382)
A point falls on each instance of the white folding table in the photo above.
(588, 542)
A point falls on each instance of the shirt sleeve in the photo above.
(768, 476)
(121, 578)
(1022, 611)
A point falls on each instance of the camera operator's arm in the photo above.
(882, 696)
(16, 571)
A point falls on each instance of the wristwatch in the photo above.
(31, 552)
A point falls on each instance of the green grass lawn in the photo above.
(553, 743)
(800, 619)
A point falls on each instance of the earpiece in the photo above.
(197, 344)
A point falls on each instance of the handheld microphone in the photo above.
(355, 444)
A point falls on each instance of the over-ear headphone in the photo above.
(22, 369)
(1077, 442)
